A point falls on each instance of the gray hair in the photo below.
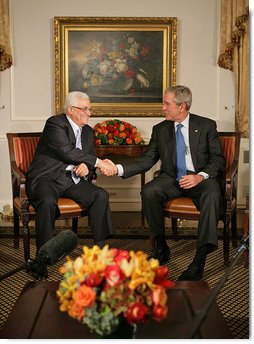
(182, 95)
(73, 98)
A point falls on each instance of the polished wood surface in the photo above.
(103, 151)
(36, 315)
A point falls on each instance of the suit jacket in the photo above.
(57, 149)
(205, 148)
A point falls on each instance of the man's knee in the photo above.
(150, 191)
(211, 196)
(102, 194)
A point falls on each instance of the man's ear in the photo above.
(183, 106)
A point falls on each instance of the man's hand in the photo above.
(81, 170)
(107, 167)
(190, 180)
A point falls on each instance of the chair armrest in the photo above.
(20, 181)
(231, 181)
(17, 173)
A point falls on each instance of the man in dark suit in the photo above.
(201, 178)
(63, 166)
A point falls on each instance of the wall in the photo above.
(27, 89)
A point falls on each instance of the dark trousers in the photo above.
(44, 193)
(206, 196)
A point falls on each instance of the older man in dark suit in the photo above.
(63, 164)
(192, 165)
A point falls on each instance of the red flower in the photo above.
(120, 255)
(160, 312)
(114, 275)
(93, 280)
(136, 313)
(161, 277)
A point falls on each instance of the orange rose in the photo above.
(121, 127)
(85, 296)
(129, 141)
(122, 135)
(137, 140)
(77, 311)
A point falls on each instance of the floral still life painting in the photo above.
(103, 287)
(116, 132)
(116, 66)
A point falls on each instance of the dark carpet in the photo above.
(233, 299)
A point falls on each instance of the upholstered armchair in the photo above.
(21, 151)
(183, 207)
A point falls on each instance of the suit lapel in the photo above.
(170, 143)
(69, 131)
(194, 132)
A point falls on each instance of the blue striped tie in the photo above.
(78, 145)
(180, 153)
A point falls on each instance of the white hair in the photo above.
(73, 98)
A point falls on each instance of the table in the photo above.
(36, 315)
(121, 154)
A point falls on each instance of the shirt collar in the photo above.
(74, 126)
(185, 122)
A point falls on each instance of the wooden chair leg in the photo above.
(16, 229)
(174, 228)
(234, 229)
(226, 243)
(75, 224)
(26, 240)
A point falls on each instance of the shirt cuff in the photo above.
(205, 175)
(120, 170)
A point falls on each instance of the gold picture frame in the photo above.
(124, 64)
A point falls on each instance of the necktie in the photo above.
(78, 145)
(180, 153)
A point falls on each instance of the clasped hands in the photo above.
(107, 167)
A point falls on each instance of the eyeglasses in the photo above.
(84, 109)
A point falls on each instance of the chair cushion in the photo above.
(66, 206)
(182, 205)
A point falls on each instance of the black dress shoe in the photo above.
(163, 255)
(193, 273)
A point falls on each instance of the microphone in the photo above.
(51, 252)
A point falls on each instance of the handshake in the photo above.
(107, 167)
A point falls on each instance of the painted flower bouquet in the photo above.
(103, 286)
(116, 132)
(116, 62)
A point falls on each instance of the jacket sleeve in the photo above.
(216, 160)
(146, 161)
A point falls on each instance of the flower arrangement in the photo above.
(116, 132)
(116, 62)
(102, 286)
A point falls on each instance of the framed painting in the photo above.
(124, 64)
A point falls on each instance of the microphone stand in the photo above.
(37, 268)
(202, 314)
(12, 272)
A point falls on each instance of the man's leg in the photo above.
(154, 194)
(207, 198)
(43, 196)
(96, 200)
